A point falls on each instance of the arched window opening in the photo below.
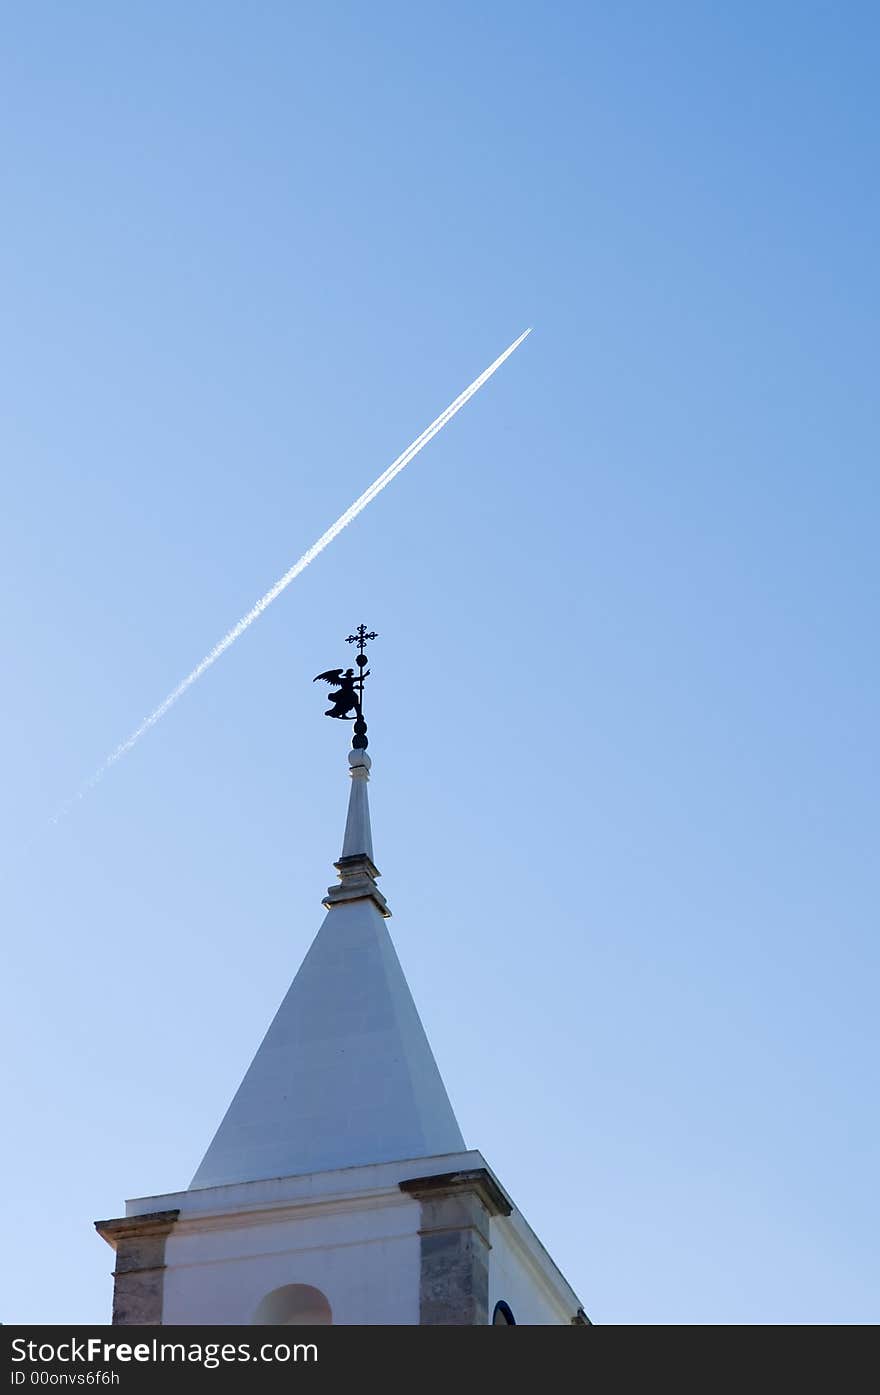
(293, 1305)
(502, 1316)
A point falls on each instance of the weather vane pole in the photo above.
(348, 697)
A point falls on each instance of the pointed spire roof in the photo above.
(345, 1075)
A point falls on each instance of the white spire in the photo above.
(345, 1075)
(356, 868)
(358, 839)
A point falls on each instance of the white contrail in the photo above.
(281, 585)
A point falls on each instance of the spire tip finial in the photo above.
(349, 695)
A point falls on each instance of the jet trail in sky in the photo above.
(281, 585)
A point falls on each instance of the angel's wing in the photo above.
(332, 675)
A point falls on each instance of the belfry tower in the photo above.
(337, 1187)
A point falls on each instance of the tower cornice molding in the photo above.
(357, 876)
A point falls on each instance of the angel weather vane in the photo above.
(347, 699)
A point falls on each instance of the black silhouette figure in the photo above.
(346, 699)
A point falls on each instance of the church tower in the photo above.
(338, 1188)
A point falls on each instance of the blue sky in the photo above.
(623, 712)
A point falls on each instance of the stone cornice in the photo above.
(154, 1224)
(478, 1179)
